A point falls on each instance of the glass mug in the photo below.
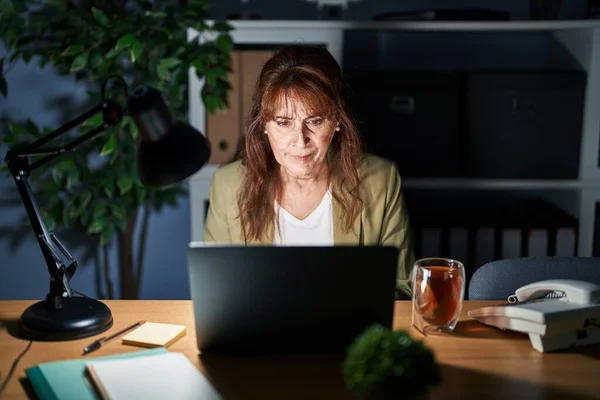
(438, 292)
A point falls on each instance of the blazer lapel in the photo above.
(340, 236)
(265, 240)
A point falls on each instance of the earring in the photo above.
(337, 128)
(266, 131)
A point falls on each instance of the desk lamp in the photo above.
(168, 152)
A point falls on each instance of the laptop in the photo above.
(270, 299)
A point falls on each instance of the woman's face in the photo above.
(299, 140)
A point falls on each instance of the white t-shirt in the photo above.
(314, 230)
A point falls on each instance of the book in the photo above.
(153, 334)
(162, 376)
(67, 379)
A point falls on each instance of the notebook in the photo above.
(67, 379)
(161, 376)
(153, 334)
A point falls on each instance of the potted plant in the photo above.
(144, 42)
(386, 364)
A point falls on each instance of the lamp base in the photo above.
(78, 317)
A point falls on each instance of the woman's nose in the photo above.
(302, 139)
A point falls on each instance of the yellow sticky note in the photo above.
(153, 334)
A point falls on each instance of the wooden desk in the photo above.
(477, 361)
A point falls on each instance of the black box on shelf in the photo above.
(523, 125)
(411, 118)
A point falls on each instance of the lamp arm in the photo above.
(111, 113)
(61, 264)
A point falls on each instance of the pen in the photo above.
(98, 343)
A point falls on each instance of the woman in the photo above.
(303, 178)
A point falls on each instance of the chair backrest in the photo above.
(499, 279)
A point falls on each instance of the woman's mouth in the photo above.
(302, 158)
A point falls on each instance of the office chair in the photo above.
(499, 279)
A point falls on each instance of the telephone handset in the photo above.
(574, 291)
(556, 314)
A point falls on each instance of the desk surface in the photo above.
(476, 360)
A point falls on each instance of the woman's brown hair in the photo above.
(312, 76)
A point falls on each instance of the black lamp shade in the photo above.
(168, 151)
(172, 158)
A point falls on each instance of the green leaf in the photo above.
(106, 235)
(132, 129)
(72, 50)
(222, 26)
(31, 127)
(200, 66)
(114, 53)
(66, 217)
(100, 17)
(156, 14)
(86, 197)
(72, 179)
(225, 43)
(162, 72)
(49, 220)
(140, 193)
(99, 210)
(125, 183)
(108, 147)
(93, 122)
(170, 62)
(117, 210)
(136, 50)
(14, 128)
(57, 175)
(66, 165)
(210, 102)
(97, 225)
(73, 208)
(79, 63)
(125, 41)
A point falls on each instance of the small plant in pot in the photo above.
(386, 364)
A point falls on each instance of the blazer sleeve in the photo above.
(396, 232)
(216, 225)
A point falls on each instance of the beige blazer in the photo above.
(383, 217)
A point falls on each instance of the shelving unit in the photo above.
(582, 39)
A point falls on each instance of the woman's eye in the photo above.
(283, 123)
(316, 121)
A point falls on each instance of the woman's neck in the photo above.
(304, 184)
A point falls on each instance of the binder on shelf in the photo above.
(511, 243)
(458, 245)
(484, 246)
(538, 243)
(565, 242)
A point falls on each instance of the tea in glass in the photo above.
(438, 291)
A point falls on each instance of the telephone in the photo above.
(555, 313)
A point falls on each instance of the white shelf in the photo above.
(425, 26)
